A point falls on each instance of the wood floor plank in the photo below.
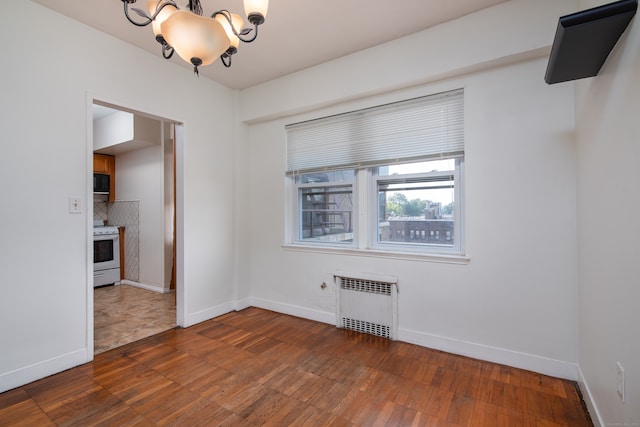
(256, 367)
(99, 403)
(59, 390)
(211, 383)
(23, 412)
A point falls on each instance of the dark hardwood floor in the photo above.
(256, 367)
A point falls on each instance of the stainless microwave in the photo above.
(101, 183)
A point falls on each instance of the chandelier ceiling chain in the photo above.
(197, 39)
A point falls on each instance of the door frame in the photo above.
(179, 144)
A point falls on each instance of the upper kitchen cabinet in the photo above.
(105, 164)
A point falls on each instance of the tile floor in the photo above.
(124, 314)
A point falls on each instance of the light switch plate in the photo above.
(75, 205)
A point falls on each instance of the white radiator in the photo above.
(367, 304)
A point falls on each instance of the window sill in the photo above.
(375, 253)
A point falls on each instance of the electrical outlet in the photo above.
(621, 388)
(75, 205)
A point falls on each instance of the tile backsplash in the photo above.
(100, 210)
(123, 214)
(127, 214)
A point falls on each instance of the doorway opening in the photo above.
(141, 152)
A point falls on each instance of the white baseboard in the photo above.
(589, 401)
(294, 310)
(530, 362)
(552, 367)
(209, 313)
(241, 304)
(27, 374)
(145, 286)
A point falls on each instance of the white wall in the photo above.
(608, 150)
(50, 73)
(113, 129)
(517, 29)
(515, 302)
(140, 177)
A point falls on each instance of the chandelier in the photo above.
(198, 39)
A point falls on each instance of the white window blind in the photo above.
(419, 128)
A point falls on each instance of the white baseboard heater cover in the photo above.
(367, 304)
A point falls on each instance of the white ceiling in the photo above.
(297, 34)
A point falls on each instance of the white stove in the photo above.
(105, 229)
(106, 254)
(100, 229)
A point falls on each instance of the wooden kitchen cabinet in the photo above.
(103, 163)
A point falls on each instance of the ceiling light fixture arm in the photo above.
(167, 51)
(147, 19)
(195, 7)
(225, 58)
(255, 18)
(243, 32)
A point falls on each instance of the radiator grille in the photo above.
(366, 327)
(369, 286)
(367, 306)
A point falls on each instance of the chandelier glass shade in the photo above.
(197, 39)
(256, 9)
(236, 22)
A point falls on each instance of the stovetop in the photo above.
(107, 229)
(99, 229)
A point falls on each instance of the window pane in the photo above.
(419, 167)
(326, 211)
(417, 207)
(331, 176)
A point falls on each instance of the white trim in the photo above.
(39, 370)
(530, 362)
(241, 304)
(294, 310)
(543, 365)
(89, 227)
(596, 418)
(182, 290)
(145, 286)
(208, 313)
(371, 253)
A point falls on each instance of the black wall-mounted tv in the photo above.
(584, 40)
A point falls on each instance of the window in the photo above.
(405, 160)
(422, 198)
(325, 206)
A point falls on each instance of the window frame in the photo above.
(366, 180)
(296, 222)
(423, 248)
